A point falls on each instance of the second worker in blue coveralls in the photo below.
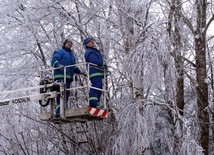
(93, 55)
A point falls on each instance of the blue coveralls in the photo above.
(64, 57)
(96, 75)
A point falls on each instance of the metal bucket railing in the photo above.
(79, 89)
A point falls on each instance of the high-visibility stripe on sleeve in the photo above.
(96, 74)
(55, 63)
(59, 76)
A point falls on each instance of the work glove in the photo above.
(61, 67)
(104, 64)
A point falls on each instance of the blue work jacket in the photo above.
(64, 57)
(94, 56)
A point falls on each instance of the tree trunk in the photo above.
(174, 14)
(202, 88)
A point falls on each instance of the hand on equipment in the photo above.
(61, 67)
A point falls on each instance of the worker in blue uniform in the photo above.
(61, 58)
(93, 55)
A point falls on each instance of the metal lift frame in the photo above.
(74, 114)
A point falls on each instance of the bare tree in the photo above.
(174, 22)
(201, 74)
